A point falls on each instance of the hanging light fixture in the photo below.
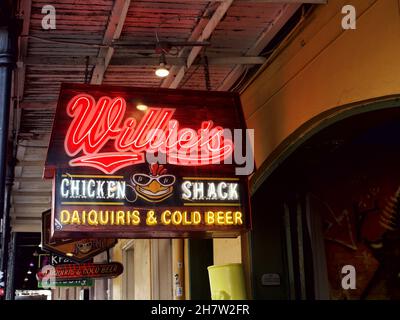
(162, 71)
(141, 107)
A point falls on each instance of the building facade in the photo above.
(324, 108)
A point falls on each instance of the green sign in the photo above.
(71, 283)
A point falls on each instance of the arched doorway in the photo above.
(332, 201)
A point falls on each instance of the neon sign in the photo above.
(135, 217)
(96, 123)
(168, 171)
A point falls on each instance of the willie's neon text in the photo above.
(95, 124)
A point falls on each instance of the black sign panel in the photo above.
(167, 170)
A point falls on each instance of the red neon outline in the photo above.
(108, 162)
(94, 124)
(83, 121)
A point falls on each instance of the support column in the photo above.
(7, 63)
(12, 246)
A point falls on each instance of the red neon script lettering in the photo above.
(96, 124)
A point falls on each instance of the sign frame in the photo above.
(217, 219)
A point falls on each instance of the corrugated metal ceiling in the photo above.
(82, 36)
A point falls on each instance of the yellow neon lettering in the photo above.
(65, 217)
(220, 218)
(92, 218)
(237, 218)
(209, 217)
(133, 217)
(228, 218)
(103, 218)
(120, 217)
(185, 220)
(196, 217)
(176, 218)
(75, 217)
(83, 217)
(112, 218)
(166, 217)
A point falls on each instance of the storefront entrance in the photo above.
(332, 203)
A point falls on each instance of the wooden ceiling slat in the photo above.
(73, 6)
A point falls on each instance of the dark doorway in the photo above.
(333, 202)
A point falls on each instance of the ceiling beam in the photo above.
(113, 31)
(26, 104)
(181, 61)
(30, 208)
(26, 226)
(32, 193)
(198, 29)
(32, 217)
(206, 33)
(67, 61)
(236, 60)
(260, 44)
(25, 163)
(43, 141)
(26, 200)
(33, 179)
(141, 61)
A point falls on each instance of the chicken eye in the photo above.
(141, 179)
(166, 180)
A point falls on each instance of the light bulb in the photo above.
(141, 107)
(162, 71)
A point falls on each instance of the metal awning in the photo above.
(119, 42)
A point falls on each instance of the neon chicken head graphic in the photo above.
(155, 187)
(84, 246)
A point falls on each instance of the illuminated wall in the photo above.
(324, 67)
(321, 67)
(227, 251)
(134, 283)
(147, 270)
